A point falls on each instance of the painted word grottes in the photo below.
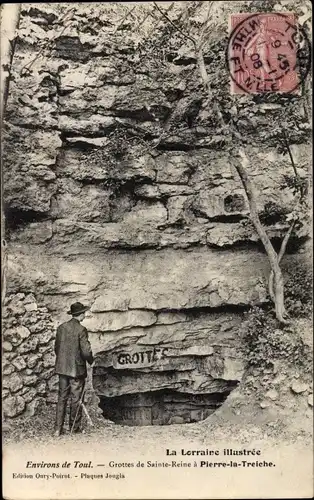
(141, 357)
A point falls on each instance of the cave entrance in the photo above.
(163, 407)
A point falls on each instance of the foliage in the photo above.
(164, 44)
(298, 290)
(300, 214)
(296, 184)
(265, 343)
(272, 214)
(155, 47)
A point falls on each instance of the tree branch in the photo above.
(141, 23)
(50, 42)
(285, 241)
(129, 13)
(201, 37)
(290, 156)
(251, 196)
(4, 260)
(174, 26)
(215, 105)
(240, 166)
(10, 17)
(277, 294)
(152, 14)
(280, 256)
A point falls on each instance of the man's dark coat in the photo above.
(72, 349)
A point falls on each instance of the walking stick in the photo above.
(78, 408)
(81, 404)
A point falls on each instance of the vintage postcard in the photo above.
(156, 234)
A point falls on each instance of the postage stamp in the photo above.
(267, 52)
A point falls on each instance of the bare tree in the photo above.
(240, 162)
(10, 16)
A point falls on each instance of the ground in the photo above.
(246, 422)
(108, 441)
(282, 431)
(288, 418)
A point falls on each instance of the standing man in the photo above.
(72, 350)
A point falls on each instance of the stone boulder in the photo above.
(13, 406)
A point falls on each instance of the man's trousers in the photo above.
(73, 387)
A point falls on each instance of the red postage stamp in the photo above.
(267, 52)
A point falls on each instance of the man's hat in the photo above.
(77, 308)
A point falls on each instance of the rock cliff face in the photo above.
(148, 227)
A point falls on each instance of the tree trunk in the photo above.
(10, 16)
(280, 256)
(278, 287)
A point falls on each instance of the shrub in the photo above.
(298, 290)
(265, 342)
(272, 214)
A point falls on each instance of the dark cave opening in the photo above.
(17, 218)
(234, 203)
(162, 407)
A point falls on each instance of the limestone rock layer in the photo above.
(119, 193)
